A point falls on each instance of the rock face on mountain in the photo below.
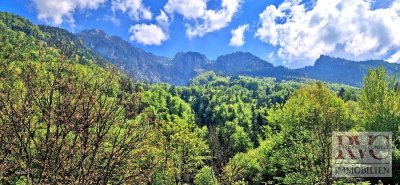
(239, 63)
(185, 66)
(182, 67)
(144, 65)
(134, 61)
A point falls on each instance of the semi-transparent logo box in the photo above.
(362, 154)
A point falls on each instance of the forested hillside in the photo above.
(69, 117)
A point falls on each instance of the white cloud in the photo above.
(205, 20)
(343, 28)
(237, 38)
(135, 9)
(214, 20)
(190, 9)
(163, 19)
(147, 34)
(395, 58)
(57, 11)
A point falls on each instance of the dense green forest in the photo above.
(68, 117)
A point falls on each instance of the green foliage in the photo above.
(236, 110)
(66, 119)
(179, 149)
(243, 168)
(297, 145)
(380, 102)
(205, 176)
(380, 105)
(308, 120)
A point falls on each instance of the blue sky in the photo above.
(292, 33)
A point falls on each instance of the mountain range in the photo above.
(179, 70)
(96, 45)
(184, 66)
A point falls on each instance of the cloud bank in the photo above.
(57, 11)
(205, 20)
(344, 28)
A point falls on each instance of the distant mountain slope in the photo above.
(134, 61)
(240, 62)
(68, 42)
(344, 71)
(185, 66)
